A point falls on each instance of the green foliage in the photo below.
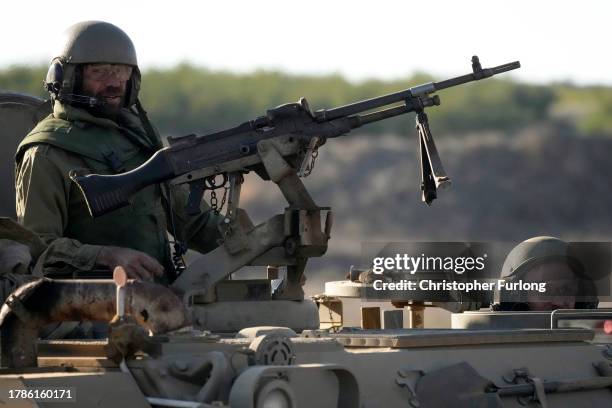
(189, 99)
(590, 108)
(24, 79)
(498, 104)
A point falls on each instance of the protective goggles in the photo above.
(104, 72)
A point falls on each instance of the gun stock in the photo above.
(106, 193)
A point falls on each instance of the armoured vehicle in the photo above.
(260, 343)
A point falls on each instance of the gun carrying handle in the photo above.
(105, 193)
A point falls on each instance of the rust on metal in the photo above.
(36, 304)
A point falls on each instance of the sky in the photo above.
(385, 39)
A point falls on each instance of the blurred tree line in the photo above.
(190, 99)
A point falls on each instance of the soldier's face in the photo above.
(561, 287)
(107, 82)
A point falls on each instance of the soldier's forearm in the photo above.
(64, 256)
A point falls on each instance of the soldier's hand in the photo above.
(137, 264)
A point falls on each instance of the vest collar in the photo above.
(127, 121)
(72, 114)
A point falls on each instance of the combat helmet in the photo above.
(90, 42)
(537, 250)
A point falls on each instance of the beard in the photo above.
(113, 100)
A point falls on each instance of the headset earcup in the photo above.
(55, 76)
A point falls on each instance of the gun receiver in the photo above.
(296, 133)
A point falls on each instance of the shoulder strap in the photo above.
(148, 127)
(65, 135)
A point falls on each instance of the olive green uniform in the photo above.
(50, 204)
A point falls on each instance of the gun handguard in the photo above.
(105, 193)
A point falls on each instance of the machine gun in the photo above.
(280, 146)
(195, 159)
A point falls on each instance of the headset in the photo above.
(55, 85)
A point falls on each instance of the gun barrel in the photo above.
(361, 106)
(478, 75)
(424, 89)
(409, 106)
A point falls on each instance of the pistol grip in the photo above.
(196, 194)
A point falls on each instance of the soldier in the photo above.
(99, 126)
(546, 260)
